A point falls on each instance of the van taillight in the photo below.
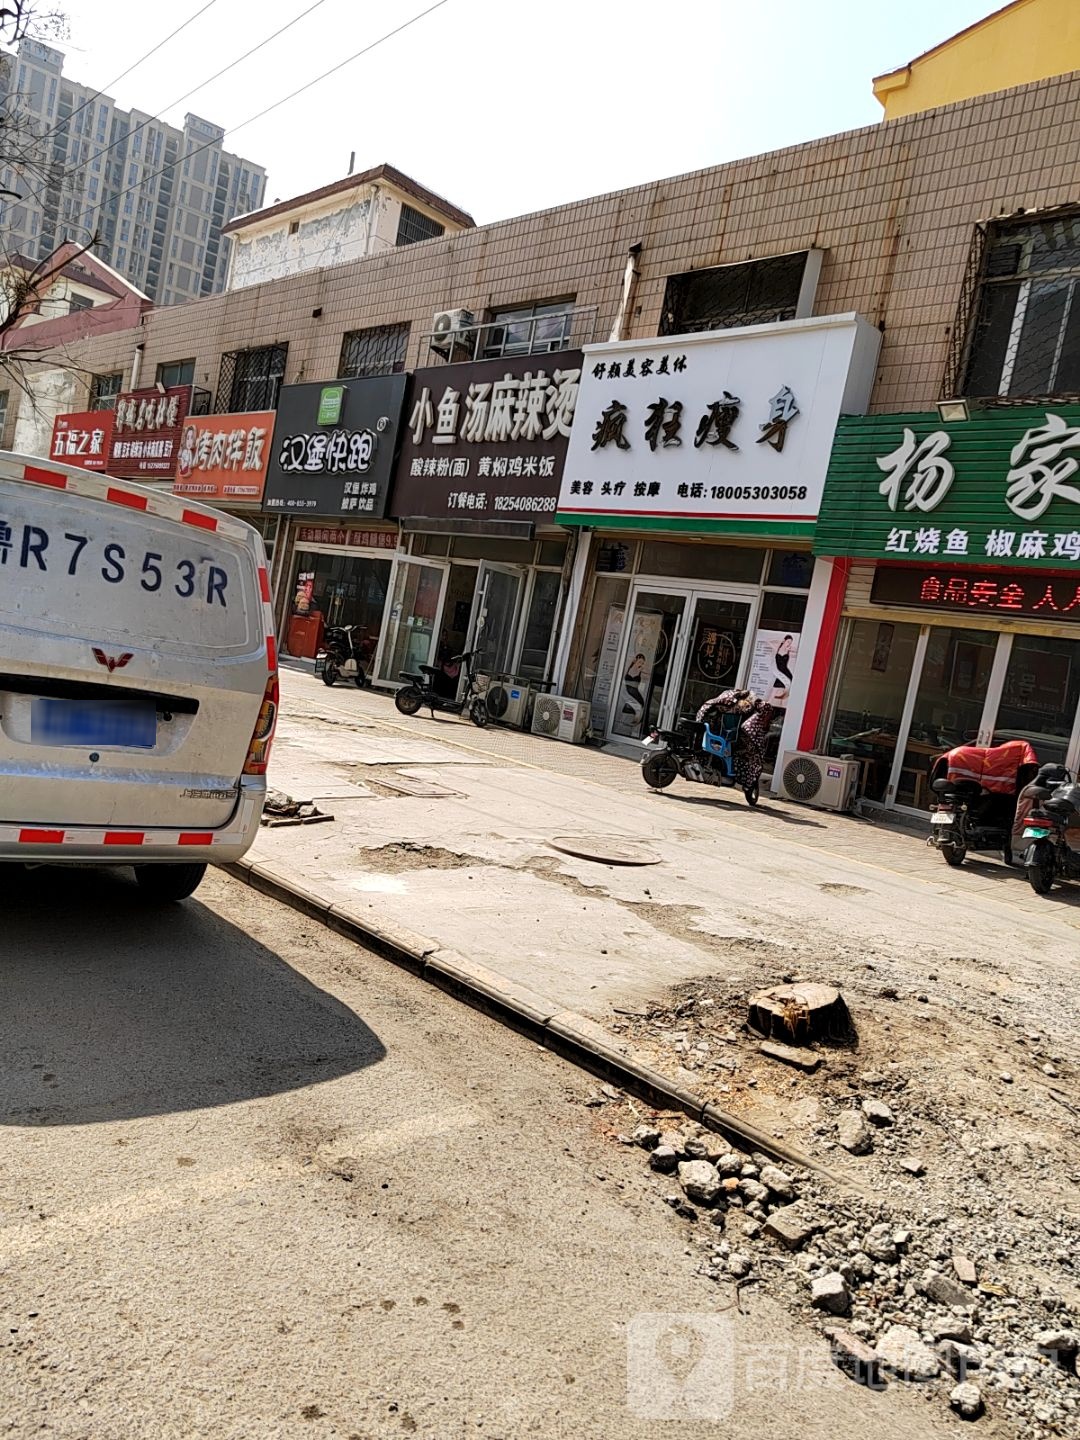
(258, 756)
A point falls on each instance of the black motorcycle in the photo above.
(1048, 856)
(722, 745)
(433, 689)
(345, 655)
(975, 790)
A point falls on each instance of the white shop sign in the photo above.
(725, 430)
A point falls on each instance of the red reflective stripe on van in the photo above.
(271, 653)
(45, 477)
(196, 837)
(41, 837)
(125, 497)
(205, 522)
(120, 837)
(264, 583)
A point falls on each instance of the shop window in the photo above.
(104, 390)
(870, 699)
(552, 552)
(431, 545)
(595, 680)
(539, 625)
(251, 379)
(176, 372)
(741, 564)
(527, 330)
(790, 569)
(476, 547)
(1023, 332)
(378, 350)
(414, 226)
(756, 292)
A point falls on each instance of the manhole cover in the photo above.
(605, 849)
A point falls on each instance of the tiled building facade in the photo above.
(892, 207)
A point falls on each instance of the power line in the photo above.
(125, 73)
(123, 139)
(277, 104)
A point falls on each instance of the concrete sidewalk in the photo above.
(453, 832)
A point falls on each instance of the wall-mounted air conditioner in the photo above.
(819, 780)
(561, 718)
(448, 329)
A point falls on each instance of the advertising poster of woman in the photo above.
(641, 654)
(773, 665)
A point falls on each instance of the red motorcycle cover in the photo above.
(993, 767)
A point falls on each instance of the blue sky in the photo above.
(507, 106)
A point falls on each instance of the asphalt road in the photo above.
(256, 1183)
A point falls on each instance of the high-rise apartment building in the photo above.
(156, 196)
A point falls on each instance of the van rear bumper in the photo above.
(115, 845)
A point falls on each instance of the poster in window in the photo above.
(605, 665)
(879, 661)
(772, 666)
(644, 650)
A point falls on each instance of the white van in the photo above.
(138, 676)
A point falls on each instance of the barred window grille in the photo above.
(251, 379)
(755, 292)
(413, 226)
(1023, 334)
(378, 350)
(103, 391)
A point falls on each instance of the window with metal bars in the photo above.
(755, 292)
(378, 350)
(251, 379)
(103, 391)
(1023, 336)
(528, 329)
(414, 226)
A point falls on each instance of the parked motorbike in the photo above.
(724, 744)
(345, 655)
(429, 688)
(1055, 810)
(976, 789)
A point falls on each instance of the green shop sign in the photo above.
(1000, 489)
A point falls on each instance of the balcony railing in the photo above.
(508, 339)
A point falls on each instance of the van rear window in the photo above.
(86, 568)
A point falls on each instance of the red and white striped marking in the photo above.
(268, 616)
(43, 837)
(153, 502)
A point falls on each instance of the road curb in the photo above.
(572, 1036)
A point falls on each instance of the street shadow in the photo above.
(115, 1009)
(763, 808)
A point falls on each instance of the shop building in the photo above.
(473, 559)
(694, 475)
(332, 460)
(956, 546)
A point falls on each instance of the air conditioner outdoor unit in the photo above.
(561, 718)
(508, 702)
(448, 329)
(819, 780)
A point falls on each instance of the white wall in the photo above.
(326, 237)
(53, 392)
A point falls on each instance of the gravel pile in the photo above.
(907, 1293)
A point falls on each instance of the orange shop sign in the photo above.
(224, 457)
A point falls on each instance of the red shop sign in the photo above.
(355, 539)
